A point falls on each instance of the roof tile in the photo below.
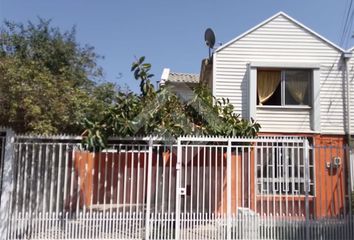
(183, 77)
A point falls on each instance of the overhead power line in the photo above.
(346, 31)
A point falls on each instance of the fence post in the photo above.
(307, 187)
(7, 184)
(351, 167)
(178, 185)
(148, 194)
(228, 169)
(350, 160)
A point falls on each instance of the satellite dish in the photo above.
(209, 38)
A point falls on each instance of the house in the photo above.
(279, 51)
(180, 83)
(294, 82)
(281, 73)
(259, 72)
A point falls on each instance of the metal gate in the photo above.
(224, 181)
(189, 188)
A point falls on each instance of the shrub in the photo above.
(161, 112)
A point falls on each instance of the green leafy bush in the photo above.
(49, 82)
(161, 112)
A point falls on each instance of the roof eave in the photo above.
(350, 49)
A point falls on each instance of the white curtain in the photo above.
(297, 83)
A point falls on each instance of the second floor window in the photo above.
(283, 87)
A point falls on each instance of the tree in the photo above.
(161, 112)
(48, 80)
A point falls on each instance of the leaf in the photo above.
(136, 74)
(134, 66)
(141, 59)
(146, 65)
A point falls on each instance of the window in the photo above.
(281, 170)
(283, 87)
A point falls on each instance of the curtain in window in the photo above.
(296, 83)
(267, 83)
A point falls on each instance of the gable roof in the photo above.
(291, 20)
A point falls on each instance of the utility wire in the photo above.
(347, 25)
(343, 22)
(344, 27)
(349, 31)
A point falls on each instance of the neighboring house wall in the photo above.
(183, 90)
(283, 43)
(180, 83)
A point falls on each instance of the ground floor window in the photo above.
(281, 169)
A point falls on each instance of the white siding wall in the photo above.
(351, 94)
(281, 41)
(284, 120)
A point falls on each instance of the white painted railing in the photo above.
(188, 188)
(162, 226)
(2, 155)
(7, 170)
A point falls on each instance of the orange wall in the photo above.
(98, 171)
(330, 184)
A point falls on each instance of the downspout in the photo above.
(346, 56)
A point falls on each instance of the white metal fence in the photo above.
(189, 188)
(2, 152)
(99, 225)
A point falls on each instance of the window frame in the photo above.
(283, 88)
(315, 101)
(280, 160)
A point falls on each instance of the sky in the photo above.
(169, 33)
